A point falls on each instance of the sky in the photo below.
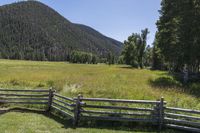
(117, 19)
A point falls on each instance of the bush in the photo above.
(83, 57)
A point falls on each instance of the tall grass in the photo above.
(98, 81)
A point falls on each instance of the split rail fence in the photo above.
(82, 109)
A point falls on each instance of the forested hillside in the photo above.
(33, 31)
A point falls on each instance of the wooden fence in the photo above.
(185, 119)
(82, 109)
(120, 110)
(24, 96)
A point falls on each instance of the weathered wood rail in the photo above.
(185, 119)
(129, 111)
(24, 96)
(82, 109)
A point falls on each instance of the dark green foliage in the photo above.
(134, 50)
(178, 35)
(110, 58)
(148, 56)
(142, 45)
(129, 52)
(158, 62)
(83, 57)
(121, 60)
(31, 30)
(165, 82)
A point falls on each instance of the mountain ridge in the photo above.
(38, 32)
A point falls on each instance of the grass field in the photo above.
(20, 122)
(92, 81)
(97, 81)
(38, 123)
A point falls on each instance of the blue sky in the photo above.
(114, 18)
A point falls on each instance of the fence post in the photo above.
(155, 113)
(77, 111)
(161, 113)
(50, 99)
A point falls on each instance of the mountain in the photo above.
(33, 31)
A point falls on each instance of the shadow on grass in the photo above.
(90, 124)
(119, 126)
(7, 110)
(67, 123)
(127, 67)
(165, 82)
(171, 82)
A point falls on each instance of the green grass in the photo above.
(19, 122)
(97, 81)
(38, 123)
(92, 81)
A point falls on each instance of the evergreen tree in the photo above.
(178, 35)
(110, 58)
(157, 57)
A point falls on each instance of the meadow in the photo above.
(115, 81)
(38, 123)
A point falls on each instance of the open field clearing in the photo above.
(115, 81)
(97, 81)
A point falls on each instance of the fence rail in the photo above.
(64, 105)
(132, 112)
(185, 119)
(82, 109)
(17, 96)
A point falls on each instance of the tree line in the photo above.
(37, 36)
(177, 41)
